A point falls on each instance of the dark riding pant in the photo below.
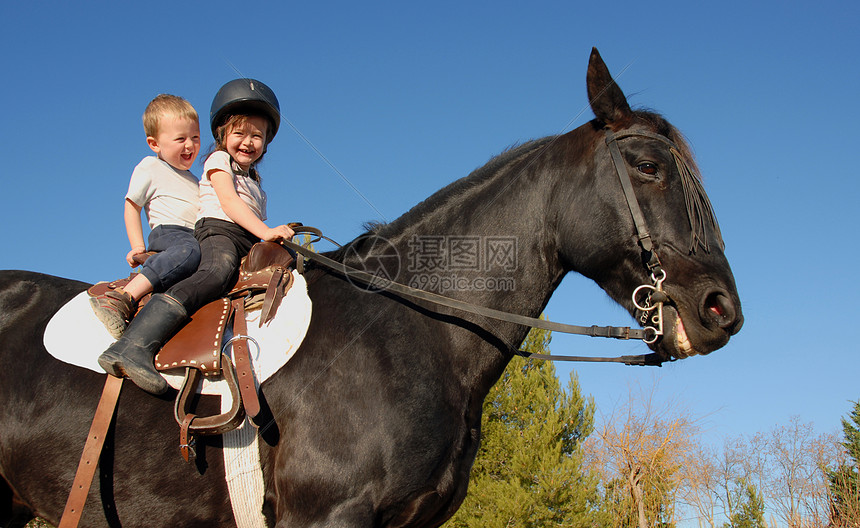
(222, 246)
(177, 258)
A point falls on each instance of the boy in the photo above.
(167, 191)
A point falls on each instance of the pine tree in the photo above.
(528, 471)
(845, 479)
(750, 508)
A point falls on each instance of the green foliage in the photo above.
(529, 471)
(845, 479)
(750, 508)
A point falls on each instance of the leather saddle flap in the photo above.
(266, 254)
(198, 344)
(266, 269)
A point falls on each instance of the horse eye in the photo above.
(647, 168)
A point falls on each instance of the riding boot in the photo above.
(132, 355)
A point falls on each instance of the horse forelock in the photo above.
(662, 126)
(699, 209)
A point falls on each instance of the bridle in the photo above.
(647, 298)
(700, 215)
(651, 309)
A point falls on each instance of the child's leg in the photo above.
(132, 354)
(221, 249)
(138, 287)
(216, 274)
(177, 257)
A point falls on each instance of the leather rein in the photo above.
(648, 298)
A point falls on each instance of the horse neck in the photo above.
(486, 239)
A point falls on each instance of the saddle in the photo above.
(264, 279)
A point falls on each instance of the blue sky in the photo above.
(395, 100)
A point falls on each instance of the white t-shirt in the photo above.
(168, 195)
(249, 191)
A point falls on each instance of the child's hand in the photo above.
(273, 234)
(131, 254)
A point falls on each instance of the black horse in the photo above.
(375, 421)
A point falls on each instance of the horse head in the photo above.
(660, 230)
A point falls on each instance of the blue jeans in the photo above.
(178, 256)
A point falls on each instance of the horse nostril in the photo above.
(718, 307)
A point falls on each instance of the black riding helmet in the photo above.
(241, 96)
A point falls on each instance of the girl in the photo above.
(245, 116)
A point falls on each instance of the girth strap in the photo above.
(92, 451)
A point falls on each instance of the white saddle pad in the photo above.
(75, 335)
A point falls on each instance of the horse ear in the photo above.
(606, 98)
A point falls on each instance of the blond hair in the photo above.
(164, 105)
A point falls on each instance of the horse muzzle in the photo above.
(700, 331)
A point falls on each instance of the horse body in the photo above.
(47, 410)
(375, 421)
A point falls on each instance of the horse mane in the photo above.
(699, 208)
(476, 178)
(448, 193)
